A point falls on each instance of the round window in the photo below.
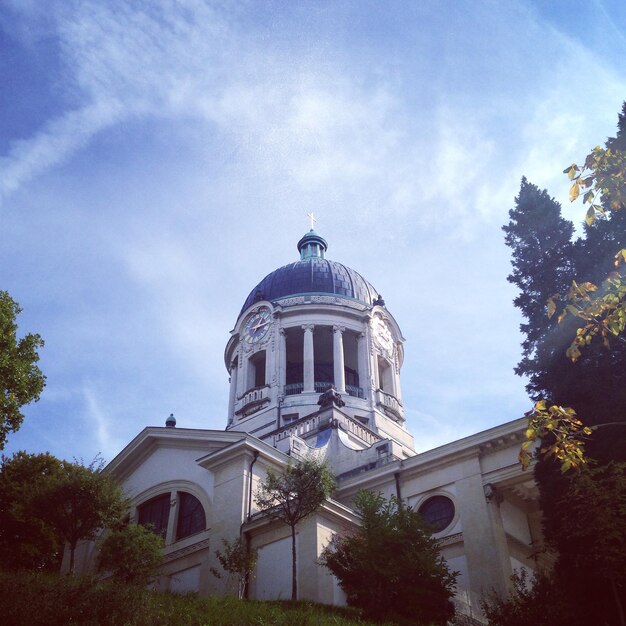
(438, 511)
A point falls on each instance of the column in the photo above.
(397, 385)
(338, 359)
(233, 392)
(309, 359)
(242, 373)
(282, 361)
(362, 364)
(395, 378)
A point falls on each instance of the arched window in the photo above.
(155, 514)
(191, 517)
(438, 511)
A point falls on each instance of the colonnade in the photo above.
(367, 368)
(339, 359)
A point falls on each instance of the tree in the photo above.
(580, 394)
(390, 567)
(77, 501)
(582, 385)
(293, 495)
(541, 250)
(239, 560)
(536, 600)
(26, 541)
(131, 553)
(588, 583)
(587, 529)
(21, 381)
(603, 176)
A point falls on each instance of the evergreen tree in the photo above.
(540, 241)
(391, 567)
(595, 386)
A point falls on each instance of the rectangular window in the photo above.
(385, 375)
(256, 370)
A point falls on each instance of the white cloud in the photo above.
(58, 140)
(99, 422)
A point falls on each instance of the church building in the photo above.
(315, 362)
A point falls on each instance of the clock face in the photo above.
(382, 335)
(258, 325)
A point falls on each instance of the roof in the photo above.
(312, 274)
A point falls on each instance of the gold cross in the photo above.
(313, 220)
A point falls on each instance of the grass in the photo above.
(50, 600)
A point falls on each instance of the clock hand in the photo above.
(257, 326)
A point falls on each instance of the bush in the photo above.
(52, 600)
(132, 554)
(391, 567)
(533, 601)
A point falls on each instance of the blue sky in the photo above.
(159, 158)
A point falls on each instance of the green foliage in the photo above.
(131, 554)
(239, 560)
(21, 381)
(603, 176)
(588, 532)
(536, 601)
(39, 600)
(560, 432)
(603, 310)
(542, 251)
(26, 541)
(582, 285)
(293, 495)
(588, 525)
(391, 567)
(77, 501)
(590, 378)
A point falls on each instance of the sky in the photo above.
(159, 158)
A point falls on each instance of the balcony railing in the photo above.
(305, 425)
(252, 400)
(390, 402)
(294, 388)
(299, 428)
(320, 387)
(355, 392)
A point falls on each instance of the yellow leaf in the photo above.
(590, 218)
(551, 307)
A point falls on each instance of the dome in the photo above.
(313, 274)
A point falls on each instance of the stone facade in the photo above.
(315, 370)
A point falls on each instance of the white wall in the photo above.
(273, 570)
(186, 581)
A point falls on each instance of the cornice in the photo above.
(247, 446)
(153, 437)
(471, 447)
(331, 508)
